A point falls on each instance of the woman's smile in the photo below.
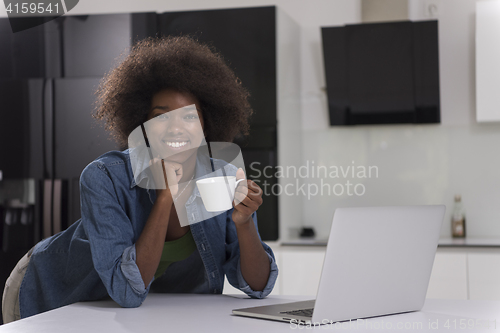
(175, 144)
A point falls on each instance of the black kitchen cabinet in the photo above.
(79, 137)
(31, 53)
(246, 37)
(21, 128)
(94, 43)
(71, 46)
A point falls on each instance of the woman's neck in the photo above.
(188, 169)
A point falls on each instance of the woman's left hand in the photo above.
(247, 199)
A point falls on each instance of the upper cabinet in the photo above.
(246, 37)
(71, 46)
(487, 61)
(92, 43)
(22, 54)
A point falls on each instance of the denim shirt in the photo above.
(95, 257)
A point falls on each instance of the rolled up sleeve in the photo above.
(131, 271)
(273, 275)
(233, 265)
(111, 237)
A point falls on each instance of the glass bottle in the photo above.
(458, 218)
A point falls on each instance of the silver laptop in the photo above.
(378, 262)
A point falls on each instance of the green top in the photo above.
(174, 251)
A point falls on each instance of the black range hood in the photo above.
(382, 73)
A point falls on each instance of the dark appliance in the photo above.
(382, 73)
(246, 37)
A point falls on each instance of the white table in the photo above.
(212, 313)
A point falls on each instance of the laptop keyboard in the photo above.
(303, 312)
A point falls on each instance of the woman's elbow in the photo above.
(130, 299)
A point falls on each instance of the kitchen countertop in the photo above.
(469, 242)
(443, 242)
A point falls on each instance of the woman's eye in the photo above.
(191, 117)
(162, 116)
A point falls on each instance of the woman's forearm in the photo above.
(149, 246)
(255, 265)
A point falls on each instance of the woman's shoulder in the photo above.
(113, 157)
(111, 163)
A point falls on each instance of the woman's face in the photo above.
(174, 130)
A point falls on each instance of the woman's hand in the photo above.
(247, 199)
(166, 176)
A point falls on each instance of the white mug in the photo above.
(217, 193)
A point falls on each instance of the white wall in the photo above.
(424, 164)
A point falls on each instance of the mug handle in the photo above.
(236, 185)
(237, 182)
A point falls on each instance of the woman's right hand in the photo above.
(166, 176)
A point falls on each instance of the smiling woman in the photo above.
(129, 240)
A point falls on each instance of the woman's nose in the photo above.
(175, 126)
